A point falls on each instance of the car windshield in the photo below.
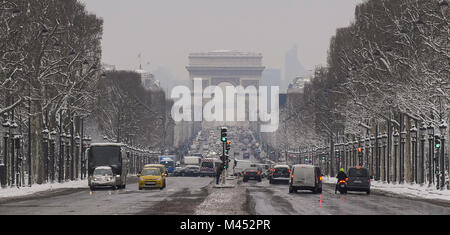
(282, 170)
(251, 169)
(353, 172)
(102, 171)
(207, 164)
(154, 172)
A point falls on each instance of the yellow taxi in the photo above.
(161, 167)
(151, 177)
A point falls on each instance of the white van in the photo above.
(305, 177)
(241, 165)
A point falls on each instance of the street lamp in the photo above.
(414, 150)
(396, 141)
(430, 132)
(378, 158)
(52, 154)
(423, 130)
(372, 154)
(14, 165)
(77, 154)
(385, 171)
(45, 138)
(62, 140)
(69, 163)
(402, 155)
(443, 128)
(367, 147)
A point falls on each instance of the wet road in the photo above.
(267, 199)
(180, 196)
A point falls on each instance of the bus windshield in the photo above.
(167, 163)
(104, 156)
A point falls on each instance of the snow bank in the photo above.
(406, 189)
(23, 191)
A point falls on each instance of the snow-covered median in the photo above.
(407, 190)
(23, 191)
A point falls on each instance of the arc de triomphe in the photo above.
(225, 68)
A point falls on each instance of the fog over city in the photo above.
(165, 32)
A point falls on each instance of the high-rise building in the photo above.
(292, 68)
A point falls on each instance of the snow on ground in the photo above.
(406, 189)
(23, 191)
(223, 201)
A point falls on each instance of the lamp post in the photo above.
(385, 170)
(378, 170)
(360, 154)
(366, 149)
(430, 132)
(17, 141)
(443, 128)
(372, 154)
(396, 141)
(77, 155)
(423, 130)
(68, 157)
(62, 140)
(346, 155)
(52, 155)
(45, 138)
(436, 159)
(4, 165)
(414, 151)
(83, 156)
(402, 155)
(13, 166)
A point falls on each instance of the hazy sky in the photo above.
(166, 31)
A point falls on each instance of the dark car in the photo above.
(358, 179)
(252, 173)
(191, 170)
(280, 173)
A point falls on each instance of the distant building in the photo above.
(298, 84)
(292, 68)
(108, 67)
(148, 80)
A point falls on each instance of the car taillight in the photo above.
(289, 170)
(320, 178)
(341, 181)
(346, 179)
(292, 176)
(259, 173)
(245, 173)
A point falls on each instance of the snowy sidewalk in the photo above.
(412, 191)
(224, 201)
(10, 192)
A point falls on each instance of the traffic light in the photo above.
(228, 146)
(360, 150)
(437, 142)
(223, 134)
(324, 157)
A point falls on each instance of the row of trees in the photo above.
(127, 112)
(49, 64)
(386, 72)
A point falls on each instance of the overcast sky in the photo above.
(166, 31)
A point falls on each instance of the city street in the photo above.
(184, 194)
(180, 196)
(269, 199)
